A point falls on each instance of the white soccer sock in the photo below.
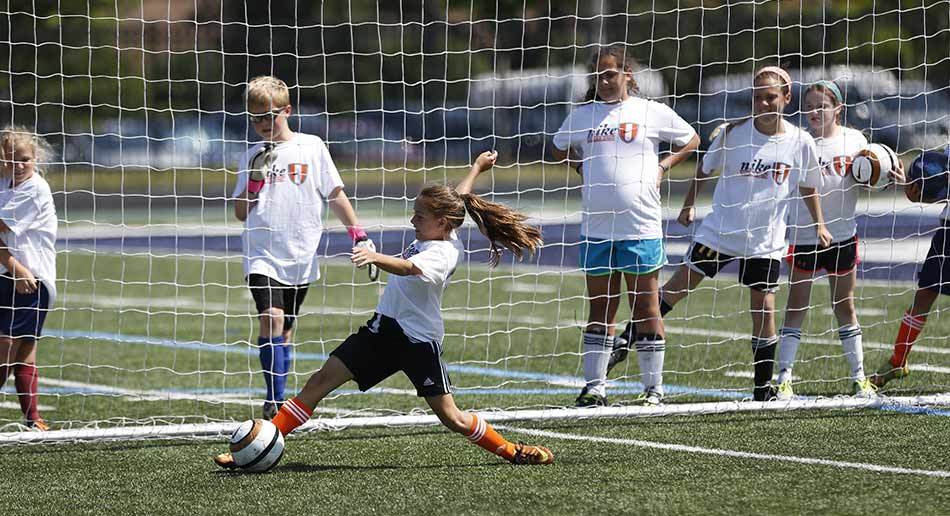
(789, 340)
(651, 351)
(597, 348)
(851, 341)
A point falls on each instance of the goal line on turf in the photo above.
(210, 430)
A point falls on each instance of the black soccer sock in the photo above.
(763, 356)
(664, 308)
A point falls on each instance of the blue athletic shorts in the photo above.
(601, 257)
(934, 274)
(22, 315)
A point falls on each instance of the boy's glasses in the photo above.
(257, 118)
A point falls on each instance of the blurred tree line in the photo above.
(69, 63)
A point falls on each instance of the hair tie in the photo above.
(830, 85)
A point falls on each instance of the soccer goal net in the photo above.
(153, 331)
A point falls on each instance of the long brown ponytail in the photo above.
(501, 225)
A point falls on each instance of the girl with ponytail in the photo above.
(405, 334)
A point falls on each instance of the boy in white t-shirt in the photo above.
(282, 185)
(27, 262)
(762, 161)
(405, 334)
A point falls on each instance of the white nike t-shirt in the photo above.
(758, 175)
(619, 143)
(28, 210)
(839, 192)
(415, 302)
(283, 230)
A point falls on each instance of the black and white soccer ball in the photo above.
(256, 445)
(872, 166)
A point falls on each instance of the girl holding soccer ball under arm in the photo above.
(28, 259)
(838, 192)
(405, 334)
(614, 141)
(762, 161)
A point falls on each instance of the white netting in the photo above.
(144, 102)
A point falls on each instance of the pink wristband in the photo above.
(356, 233)
(254, 186)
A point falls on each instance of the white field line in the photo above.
(730, 453)
(526, 287)
(863, 312)
(749, 374)
(929, 368)
(15, 405)
(809, 340)
(519, 268)
(149, 395)
(178, 304)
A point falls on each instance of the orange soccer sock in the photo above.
(482, 434)
(911, 326)
(292, 414)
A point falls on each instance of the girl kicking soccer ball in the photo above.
(28, 260)
(836, 147)
(405, 334)
(763, 161)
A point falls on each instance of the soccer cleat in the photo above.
(764, 393)
(651, 397)
(527, 454)
(37, 426)
(888, 372)
(785, 392)
(270, 410)
(589, 399)
(865, 389)
(621, 347)
(225, 460)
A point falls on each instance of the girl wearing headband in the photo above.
(836, 145)
(763, 162)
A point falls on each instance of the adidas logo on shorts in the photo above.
(428, 382)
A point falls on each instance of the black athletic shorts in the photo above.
(838, 258)
(380, 349)
(270, 293)
(758, 273)
(934, 274)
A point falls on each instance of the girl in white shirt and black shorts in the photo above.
(763, 162)
(837, 146)
(405, 334)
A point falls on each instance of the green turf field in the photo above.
(142, 339)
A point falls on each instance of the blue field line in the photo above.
(453, 368)
(924, 411)
(617, 387)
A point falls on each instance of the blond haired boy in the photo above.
(282, 185)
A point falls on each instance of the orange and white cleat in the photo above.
(225, 460)
(527, 454)
(37, 425)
